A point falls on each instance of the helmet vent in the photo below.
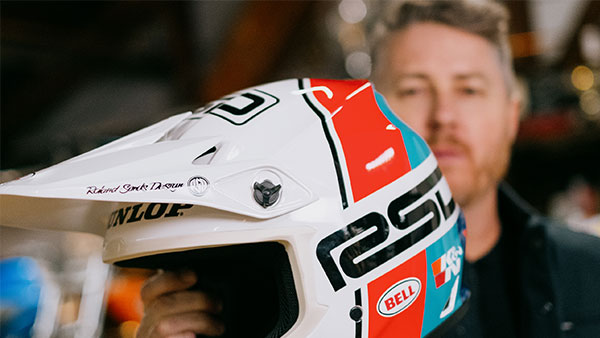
(206, 157)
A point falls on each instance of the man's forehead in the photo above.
(436, 35)
(458, 76)
(435, 45)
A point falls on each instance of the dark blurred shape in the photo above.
(76, 75)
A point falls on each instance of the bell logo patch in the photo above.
(399, 297)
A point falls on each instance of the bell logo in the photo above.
(399, 297)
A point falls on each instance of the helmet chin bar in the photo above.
(254, 281)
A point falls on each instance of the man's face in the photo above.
(447, 85)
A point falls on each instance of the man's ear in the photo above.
(514, 115)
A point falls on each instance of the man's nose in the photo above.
(443, 111)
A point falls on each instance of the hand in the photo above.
(171, 310)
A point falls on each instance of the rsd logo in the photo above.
(431, 212)
(399, 297)
(242, 106)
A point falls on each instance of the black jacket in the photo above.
(541, 279)
(559, 273)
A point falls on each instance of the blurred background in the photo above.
(76, 75)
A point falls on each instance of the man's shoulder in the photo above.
(562, 242)
(572, 245)
(561, 266)
(574, 260)
(568, 251)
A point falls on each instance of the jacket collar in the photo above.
(516, 212)
(527, 232)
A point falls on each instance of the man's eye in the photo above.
(409, 92)
(471, 91)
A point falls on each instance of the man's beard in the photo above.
(469, 180)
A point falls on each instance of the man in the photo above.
(455, 88)
(445, 69)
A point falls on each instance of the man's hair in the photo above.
(487, 19)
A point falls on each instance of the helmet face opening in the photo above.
(254, 282)
(306, 205)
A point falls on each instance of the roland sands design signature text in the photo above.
(432, 210)
(127, 188)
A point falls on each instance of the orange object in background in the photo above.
(124, 301)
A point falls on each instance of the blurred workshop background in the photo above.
(76, 75)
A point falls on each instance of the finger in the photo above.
(183, 335)
(182, 301)
(166, 282)
(147, 329)
(196, 322)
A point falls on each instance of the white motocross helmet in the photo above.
(305, 204)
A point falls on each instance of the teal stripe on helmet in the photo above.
(416, 148)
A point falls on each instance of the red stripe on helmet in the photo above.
(374, 149)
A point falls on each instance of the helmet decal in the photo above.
(447, 265)
(342, 106)
(420, 211)
(324, 117)
(416, 148)
(443, 299)
(138, 212)
(399, 297)
(398, 293)
(242, 107)
(364, 156)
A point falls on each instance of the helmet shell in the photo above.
(374, 240)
